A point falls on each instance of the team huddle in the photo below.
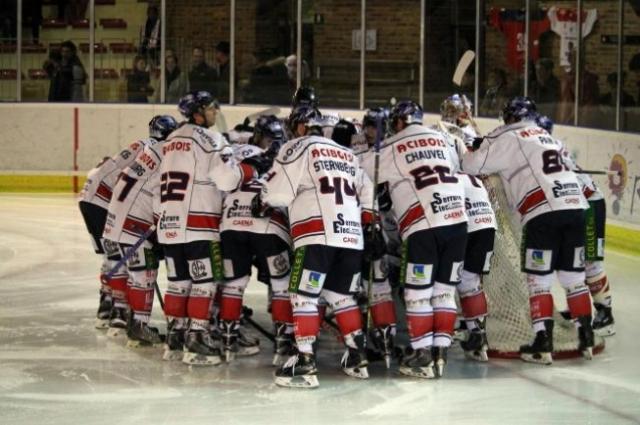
(336, 215)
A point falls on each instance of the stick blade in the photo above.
(463, 65)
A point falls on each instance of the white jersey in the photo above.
(131, 208)
(589, 188)
(477, 204)
(98, 188)
(564, 22)
(236, 207)
(529, 162)
(197, 165)
(460, 135)
(325, 190)
(417, 164)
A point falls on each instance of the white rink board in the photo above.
(41, 137)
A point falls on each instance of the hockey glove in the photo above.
(384, 197)
(374, 244)
(477, 141)
(259, 209)
(261, 163)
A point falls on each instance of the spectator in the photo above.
(291, 62)
(175, 80)
(496, 95)
(32, 13)
(545, 88)
(634, 66)
(8, 14)
(611, 98)
(202, 76)
(67, 74)
(150, 35)
(221, 55)
(589, 95)
(138, 82)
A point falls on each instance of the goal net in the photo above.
(509, 323)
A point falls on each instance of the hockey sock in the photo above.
(118, 284)
(347, 314)
(104, 283)
(383, 310)
(578, 298)
(305, 321)
(141, 293)
(280, 304)
(199, 304)
(599, 288)
(444, 313)
(175, 299)
(540, 299)
(472, 299)
(322, 312)
(419, 316)
(231, 302)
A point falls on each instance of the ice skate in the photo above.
(104, 312)
(299, 371)
(140, 334)
(439, 355)
(603, 324)
(174, 344)
(418, 363)
(117, 322)
(383, 341)
(585, 336)
(476, 346)
(354, 361)
(541, 348)
(283, 346)
(247, 345)
(200, 349)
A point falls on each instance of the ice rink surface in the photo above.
(55, 368)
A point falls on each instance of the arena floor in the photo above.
(55, 368)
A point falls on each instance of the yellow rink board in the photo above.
(618, 238)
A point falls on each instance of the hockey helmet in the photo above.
(269, 126)
(545, 122)
(343, 132)
(195, 102)
(307, 115)
(454, 107)
(518, 109)
(406, 111)
(305, 95)
(161, 126)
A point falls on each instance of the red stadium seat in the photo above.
(106, 74)
(97, 48)
(53, 23)
(113, 23)
(122, 48)
(38, 74)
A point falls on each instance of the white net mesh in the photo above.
(509, 322)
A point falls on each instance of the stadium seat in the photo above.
(38, 74)
(106, 74)
(113, 23)
(97, 48)
(53, 23)
(122, 48)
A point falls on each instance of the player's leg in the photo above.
(340, 289)
(175, 300)
(571, 275)
(448, 271)
(417, 276)
(540, 245)
(143, 272)
(597, 280)
(477, 262)
(237, 255)
(311, 264)
(204, 260)
(94, 219)
(119, 288)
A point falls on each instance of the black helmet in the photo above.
(161, 126)
(406, 111)
(343, 131)
(194, 102)
(305, 95)
(304, 114)
(269, 126)
(518, 109)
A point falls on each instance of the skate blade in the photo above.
(605, 331)
(587, 353)
(387, 361)
(538, 358)
(279, 359)
(357, 372)
(116, 332)
(477, 355)
(247, 351)
(418, 372)
(439, 368)
(134, 343)
(303, 381)
(229, 356)
(172, 355)
(195, 359)
(101, 324)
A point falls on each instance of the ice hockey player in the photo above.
(327, 194)
(428, 200)
(380, 302)
(94, 203)
(305, 96)
(246, 239)
(129, 217)
(595, 220)
(548, 197)
(455, 113)
(197, 165)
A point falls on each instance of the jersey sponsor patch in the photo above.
(538, 260)
(418, 274)
(578, 257)
(355, 284)
(456, 271)
(200, 269)
(601, 247)
(171, 267)
(278, 264)
(227, 266)
(487, 262)
(311, 282)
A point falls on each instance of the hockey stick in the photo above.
(463, 65)
(246, 315)
(156, 289)
(274, 110)
(598, 172)
(132, 249)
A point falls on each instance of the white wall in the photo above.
(40, 137)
